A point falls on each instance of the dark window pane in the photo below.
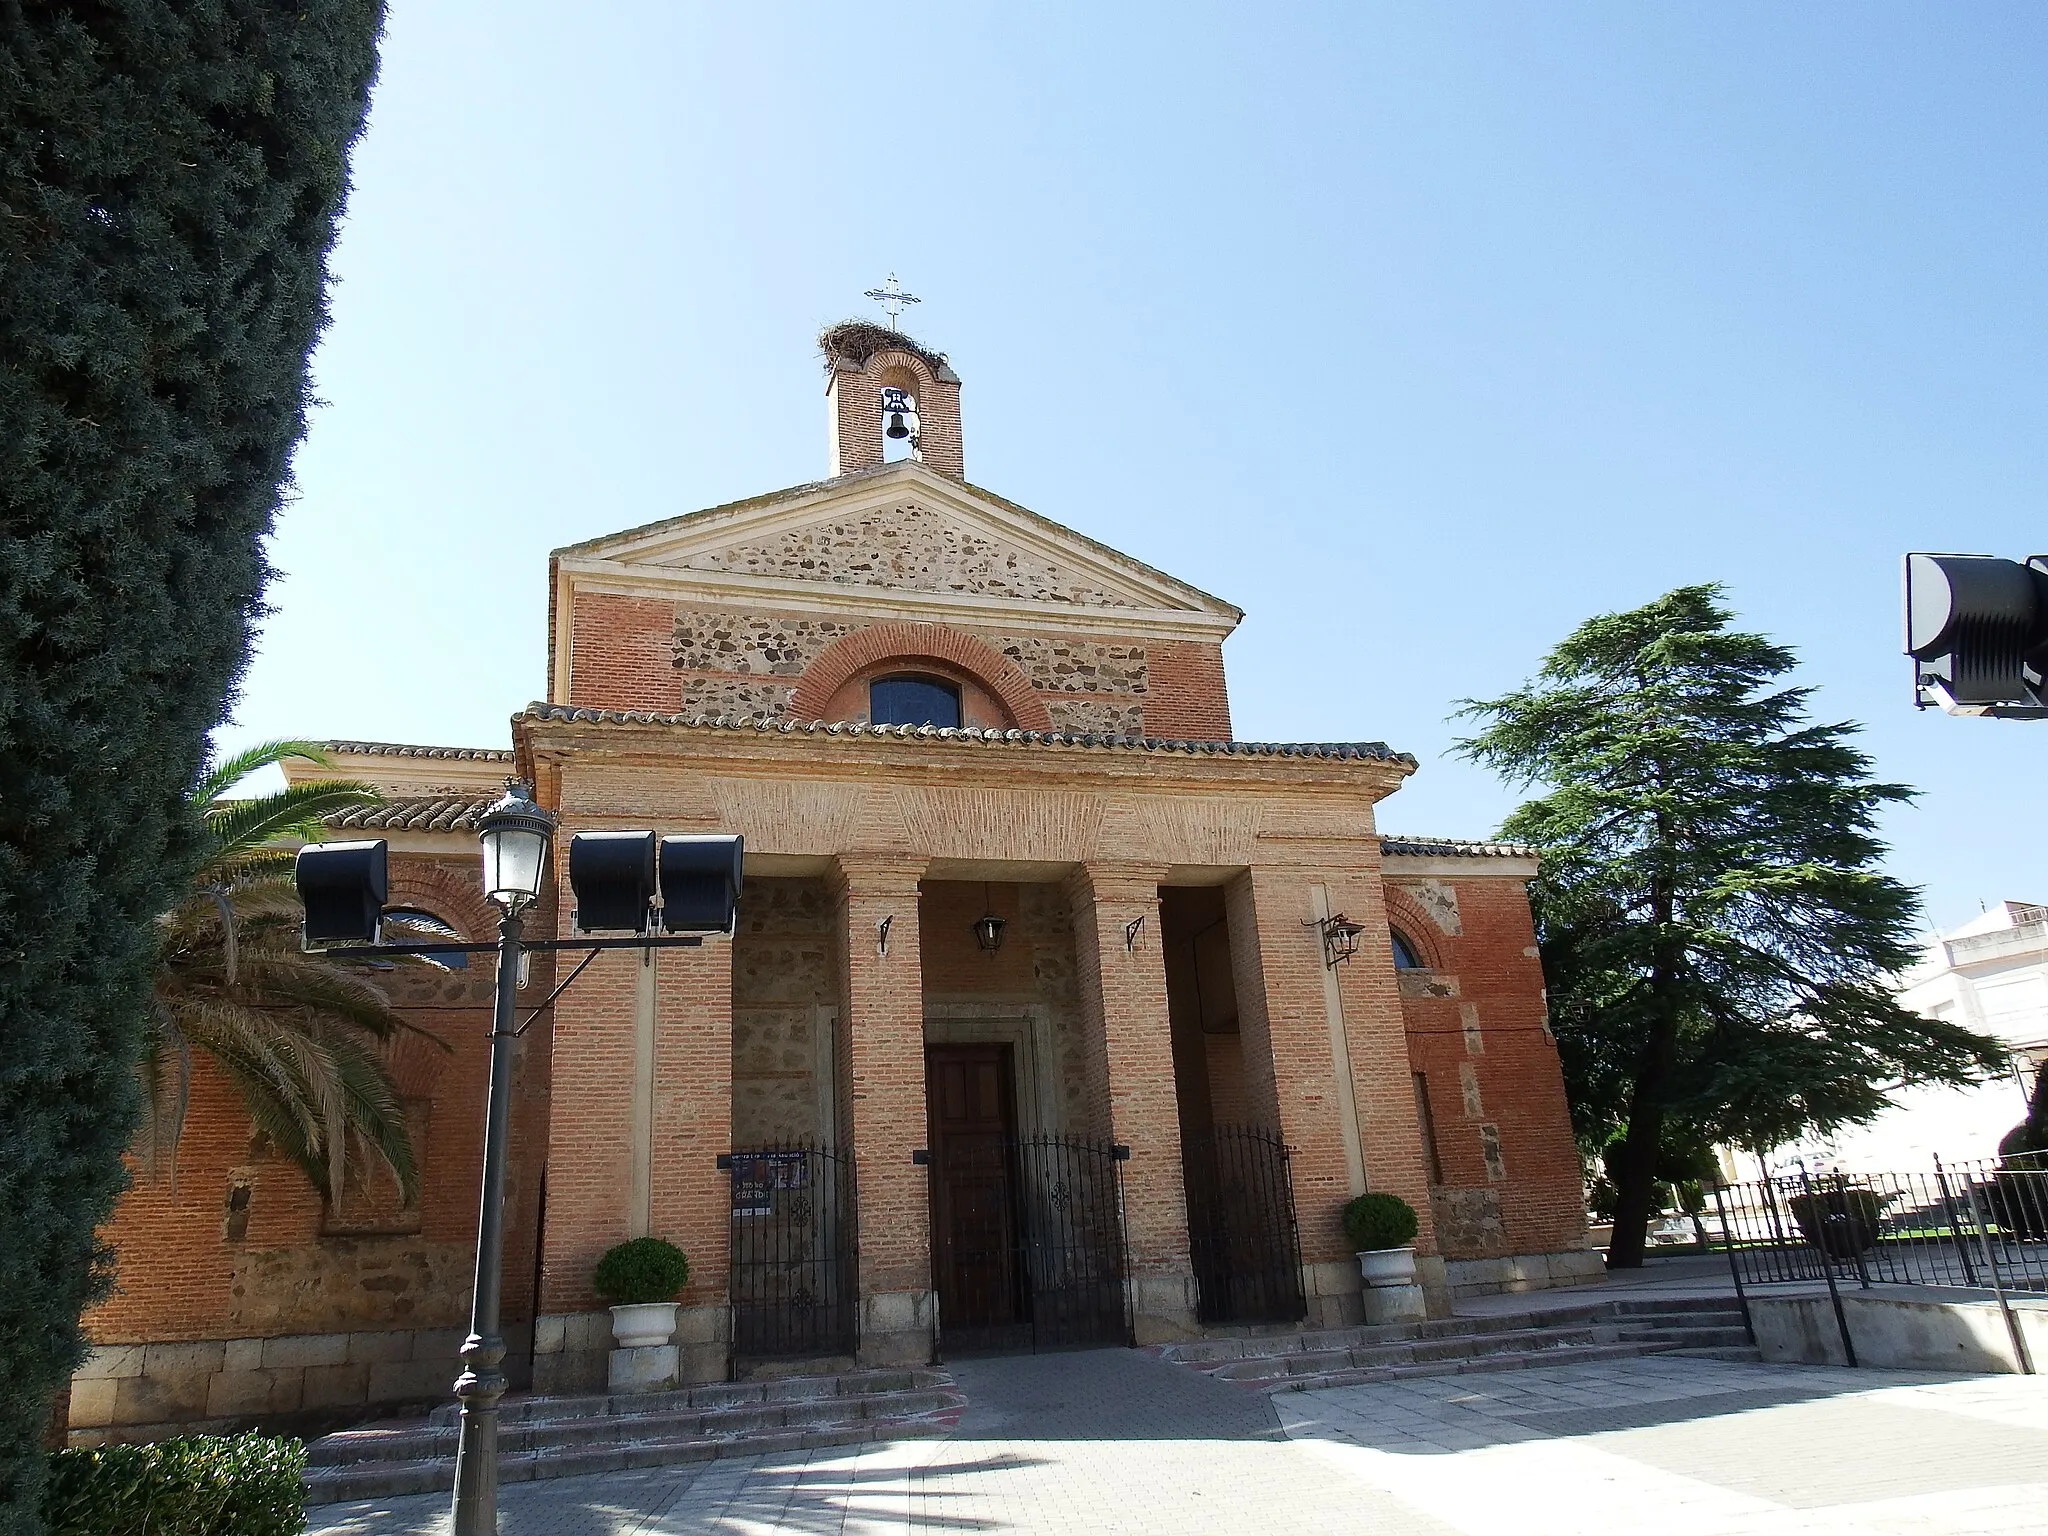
(1404, 954)
(913, 701)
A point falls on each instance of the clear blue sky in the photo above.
(1419, 332)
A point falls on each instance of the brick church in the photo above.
(1055, 1014)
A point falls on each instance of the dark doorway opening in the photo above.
(971, 1111)
(1027, 1230)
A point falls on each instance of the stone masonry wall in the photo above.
(740, 663)
(782, 975)
(912, 547)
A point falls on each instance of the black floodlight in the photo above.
(700, 883)
(612, 875)
(1977, 630)
(342, 887)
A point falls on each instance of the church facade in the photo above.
(1054, 1014)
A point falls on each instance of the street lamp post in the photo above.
(615, 877)
(515, 834)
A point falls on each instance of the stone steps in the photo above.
(1299, 1359)
(545, 1437)
(1506, 1360)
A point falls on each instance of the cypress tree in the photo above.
(170, 178)
(1718, 939)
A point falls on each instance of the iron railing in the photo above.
(793, 1280)
(1241, 1228)
(1971, 1224)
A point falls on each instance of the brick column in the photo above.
(1336, 1047)
(1130, 1071)
(689, 1198)
(881, 1056)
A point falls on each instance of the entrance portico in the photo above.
(872, 851)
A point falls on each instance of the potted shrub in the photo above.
(1382, 1232)
(1841, 1220)
(640, 1279)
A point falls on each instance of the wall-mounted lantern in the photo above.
(1340, 938)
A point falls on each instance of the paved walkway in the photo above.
(1114, 1441)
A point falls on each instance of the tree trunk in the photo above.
(1636, 1178)
(1636, 1181)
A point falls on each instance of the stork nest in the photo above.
(858, 340)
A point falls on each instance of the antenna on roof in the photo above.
(893, 300)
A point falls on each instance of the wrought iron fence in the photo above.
(1975, 1224)
(793, 1276)
(1071, 1238)
(1967, 1224)
(1030, 1239)
(1241, 1227)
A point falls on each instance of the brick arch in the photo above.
(879, 364)
(847, 657)
(455, 897)
(1417, 927)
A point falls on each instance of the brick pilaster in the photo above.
(689, 1198)
(881, 1050)
(1130, 1071)
(1390, 1127)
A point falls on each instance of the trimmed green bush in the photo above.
(642, 1270)
(1840, 1222)
(205, 1485)
(1379, 1220)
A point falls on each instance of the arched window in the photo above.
(908, 698)
(416, 925)
(1404, 953)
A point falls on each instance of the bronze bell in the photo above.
(896, 427)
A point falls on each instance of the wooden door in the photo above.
(971, 1113)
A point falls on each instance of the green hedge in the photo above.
(1379, 1220)
(640, 1270)
(206, 1485)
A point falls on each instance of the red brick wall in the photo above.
(1498, 983)
(621, 653)
(178, 1264)
(1186, 699)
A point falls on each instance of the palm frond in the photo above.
(239, 828)
(230, 771)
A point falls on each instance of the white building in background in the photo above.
(1991, 975)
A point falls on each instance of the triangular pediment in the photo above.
(901, 529)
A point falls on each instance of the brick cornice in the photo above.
(849, 656)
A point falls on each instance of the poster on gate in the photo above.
(757, 1175)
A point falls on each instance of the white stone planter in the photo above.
(644, 1324)
(1387, 1266)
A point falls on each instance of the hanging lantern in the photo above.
(988, 928)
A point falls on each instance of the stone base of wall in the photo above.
(572, 1351)
(146, 1391)
(1334, 1293)
(897, 1328)
(1163, 1308)
(1524, 1272)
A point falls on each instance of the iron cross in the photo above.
(892, 298)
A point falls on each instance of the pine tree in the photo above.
(170, 178)
(1718, 939)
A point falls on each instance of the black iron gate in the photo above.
(793, 1277)
(1241, 1229)
(1037, 1255)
